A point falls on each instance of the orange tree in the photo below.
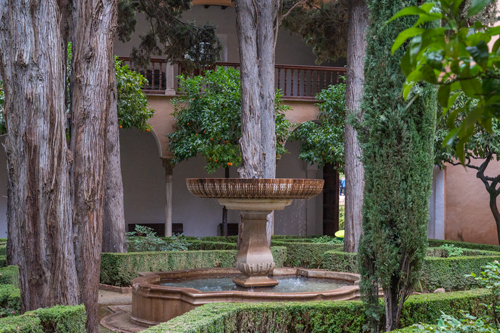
(208, 120)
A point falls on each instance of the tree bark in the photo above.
(94, 22)
(330, 200)
(33, 68)
(113, 224)
(354, 171)
(256, 25)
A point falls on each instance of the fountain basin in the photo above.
(153, 303)
(255, 199)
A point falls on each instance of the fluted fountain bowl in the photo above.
(258, 188)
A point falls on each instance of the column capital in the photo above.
(167, 164)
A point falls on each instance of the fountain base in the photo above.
(255, 281)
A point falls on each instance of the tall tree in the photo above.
(56, 192)
(397, 139)
(39, 214)
(128, 109)
(257, 24)
(354, 171)
(92, 87)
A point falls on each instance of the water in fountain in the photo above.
(287, 284)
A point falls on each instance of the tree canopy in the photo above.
(208, 119)
(457, 57)
(322, 24)
(322, 140)
(183, 42)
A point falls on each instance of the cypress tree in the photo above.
(397, 142)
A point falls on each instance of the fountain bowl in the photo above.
(257, 188)
(153, 303)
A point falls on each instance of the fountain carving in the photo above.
(255, 199)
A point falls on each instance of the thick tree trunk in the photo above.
(330, 200)
(256, 23)
(113, 223)
(496, 213)
(246, 27)
(354, 172)
(33, 69)
(94, 22)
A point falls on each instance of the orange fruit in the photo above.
(230, 164)
(121, 126)
(147, 130)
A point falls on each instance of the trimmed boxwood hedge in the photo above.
(9, 275)
(306, 255)
(448, 273)
(465, 245)
(67, 319)
(10, 298)
(207, 245)
(119, 269)
(326, 316)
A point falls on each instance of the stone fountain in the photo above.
(255, 199)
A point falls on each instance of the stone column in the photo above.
(170, 79)
(169, 168)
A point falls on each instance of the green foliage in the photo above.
(452, 250)
(397, 141)
(168, 34)
(328, 239)
(145, 239)
(456, 57)
(119, 269)
(449, 324)
(465, 245)
(306, 255)
(10, 300)
(322, 141)
(314, 317)
(208, 119)
(9, 275)
(132, 104)
(322, 24)
(341, 217)
(60, 319)
(490, 279)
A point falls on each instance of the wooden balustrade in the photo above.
(295, 81)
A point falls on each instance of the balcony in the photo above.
(295, 82)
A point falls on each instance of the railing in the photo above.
(294, 81)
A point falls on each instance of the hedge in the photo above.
(9, 275)
(119, 269)
(325, 316)
(208, 245)
(448, 273)
(10, 298)
(67, 319)
(306, 255)
(465, 245)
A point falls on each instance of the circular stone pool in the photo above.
(161, 296)
(288, 284)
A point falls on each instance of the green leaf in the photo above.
(456, 5)
(406, 12)
(404, 35)
(477, 6)
(444, 95)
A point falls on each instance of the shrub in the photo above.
(10, 300)
(119, 269)
(452, 250)
(302, 317)
(9, 275)
(145, 239)
(306, 255)
(61, 319)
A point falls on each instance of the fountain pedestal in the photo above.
(255, 199)
(255, 260)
